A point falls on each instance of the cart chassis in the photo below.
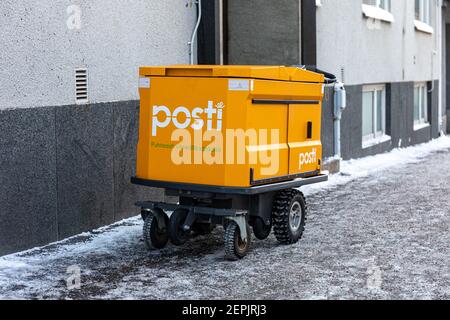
(220, 205)
(158, 208)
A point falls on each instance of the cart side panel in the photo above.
(171, 148)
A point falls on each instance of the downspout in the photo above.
(441, 63)
(340, 103)
(194, 33)
(438, 52)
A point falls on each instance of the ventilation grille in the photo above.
(81, 86)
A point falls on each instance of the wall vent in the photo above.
(81, 86)
(342, 75)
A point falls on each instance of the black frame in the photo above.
(258, 189)
(308, 21)
(309, 33)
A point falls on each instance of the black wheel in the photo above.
(235, 247)
(260, 229)
(289, 216)
(177, 235)
(154, 237)
(144, 214)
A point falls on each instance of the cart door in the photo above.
(305, 148)
(267, 119)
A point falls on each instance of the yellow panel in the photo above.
(211, 100)
(279, 73)
(268, 120)
(305, 154)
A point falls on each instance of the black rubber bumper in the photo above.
(296, 183)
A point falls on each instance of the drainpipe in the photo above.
(441, 62)
(194, 33)
(340, 103)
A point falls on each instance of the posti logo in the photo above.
(163, 117)
(308, 157)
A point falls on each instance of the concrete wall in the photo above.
(371, 52)
(39, 53)
(363, 51)
(264, 32)
(66, 168)
(399, 117)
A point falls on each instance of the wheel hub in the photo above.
(295, 216)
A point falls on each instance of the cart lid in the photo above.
(278, 73)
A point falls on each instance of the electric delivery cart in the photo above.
(234, 144)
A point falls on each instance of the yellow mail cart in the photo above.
(234, 144)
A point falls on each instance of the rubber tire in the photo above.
(177, 236)
(153, 237)
(260, 230)
(280, 216)
(144, 214)
(233, 250)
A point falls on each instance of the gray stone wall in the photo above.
(43, 42)
(66, 170)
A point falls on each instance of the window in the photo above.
(373, 114)
(420, 105)
(382, 4)
(423, 11)
(378, 9)
(422, 20)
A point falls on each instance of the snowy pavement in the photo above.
(379, 230)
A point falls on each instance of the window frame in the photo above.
(386, 2)
(376, 134)
(378, 11)
(424, 11)
(423, 118)
(380, 4)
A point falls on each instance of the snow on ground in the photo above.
(384, 235)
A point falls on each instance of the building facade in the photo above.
(69, 99)
(388, 54)
(69, 110)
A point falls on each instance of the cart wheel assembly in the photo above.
(202, 229)
(177, 234)
(155, 232)
(289, 216)
(261, 230)
(235, 247)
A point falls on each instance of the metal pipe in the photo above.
(221, 20)
(441, 62)
(337, 138)
(340, 103)
(194, 33)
